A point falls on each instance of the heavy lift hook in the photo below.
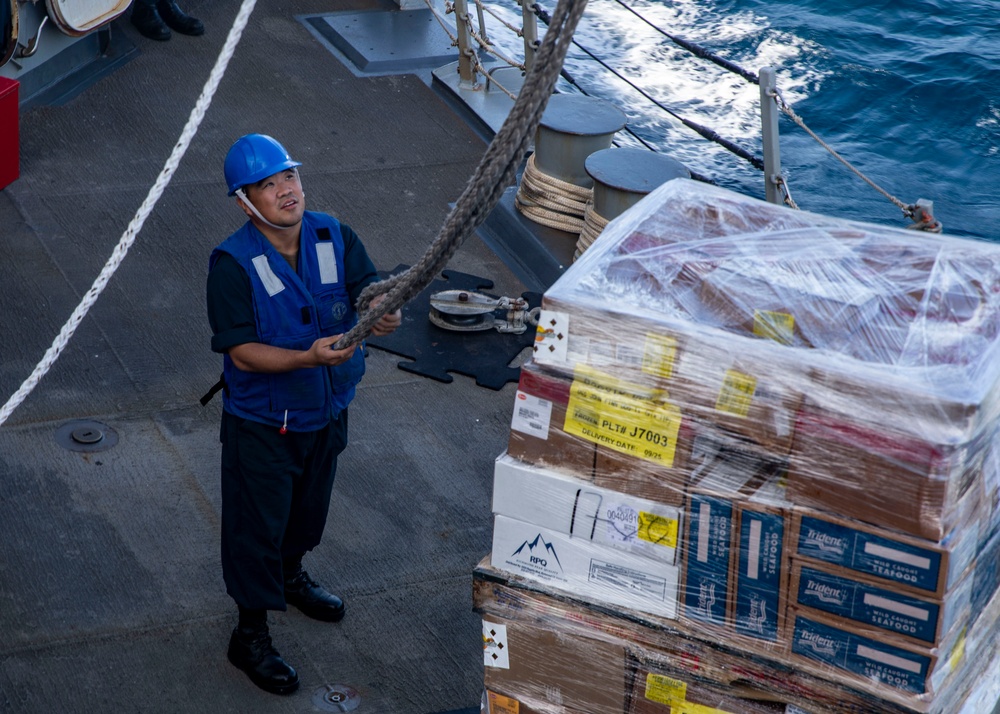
(467, 311)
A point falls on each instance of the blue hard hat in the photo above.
(254, 157)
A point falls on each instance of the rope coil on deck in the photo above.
(551, 201)
(593, 225)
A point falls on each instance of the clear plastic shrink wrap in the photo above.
(751, 467)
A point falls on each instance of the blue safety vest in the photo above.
(292, 311)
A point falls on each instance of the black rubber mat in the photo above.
(435, 352)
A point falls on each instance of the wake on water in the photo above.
(909, 96)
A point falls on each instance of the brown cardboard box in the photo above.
(750, 396)
(537, 435)
(501, 704)
(903, 562)
(762, 540)
(550, 665)
(869, 655)
(657, 687)
(643, 439)
(878, 607)
(883, 475)
(817, 306)
(709, 542)
(647, 479)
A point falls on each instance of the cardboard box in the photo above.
(658, 688)
(708, 560)
(643, 439)
(10, 162)
(745, 394)
(585, 569)
(763, 521)
(867, 654)
(986, 577)
(910, 564)
(583, 511)
(818, 641)
(797, 310)
(923, 621)
(882, 475)
(652, 480)
(553, 668)
(536, 431)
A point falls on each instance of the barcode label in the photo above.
(531, 415)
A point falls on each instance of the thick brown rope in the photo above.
(496, 171)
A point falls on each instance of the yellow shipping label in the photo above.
(736, 395)
(777, 326)
(665, 690)
(613, 417)
(659, 354)
(500, 704)
(957, 652)
(657, 529)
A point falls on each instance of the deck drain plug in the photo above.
(86, 436)
(336, 698)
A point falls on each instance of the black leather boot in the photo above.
(148, 22)
(178, 20)
(304, 593)
(250, 650)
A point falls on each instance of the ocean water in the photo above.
(908, 92)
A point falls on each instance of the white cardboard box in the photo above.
(580, 567)
(579, 509)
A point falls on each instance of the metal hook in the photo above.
(32, 47)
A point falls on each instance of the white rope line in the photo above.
(128, 238)
(519, 31)
(785, 107)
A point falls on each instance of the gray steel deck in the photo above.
(111, 595)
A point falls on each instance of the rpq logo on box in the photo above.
(538, 555)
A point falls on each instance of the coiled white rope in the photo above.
(550, 201)
(593, 225)
(128, 238)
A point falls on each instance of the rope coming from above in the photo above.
(551, 201)
(496, 171)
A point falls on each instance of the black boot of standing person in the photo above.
(155, 18)
(177, 20)
(308, 596)
(251, 651)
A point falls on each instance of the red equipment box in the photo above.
(9, 136)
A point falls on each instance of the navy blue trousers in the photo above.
(275, 499)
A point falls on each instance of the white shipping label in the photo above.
(551, 337)
(531, 415)
(621, 521)
(753, 551)
(495, 645)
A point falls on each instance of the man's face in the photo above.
(279, 198)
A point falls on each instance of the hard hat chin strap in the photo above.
(241, 194)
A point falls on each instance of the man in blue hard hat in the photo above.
(281, 291)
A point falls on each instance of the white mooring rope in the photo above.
(128, 238)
